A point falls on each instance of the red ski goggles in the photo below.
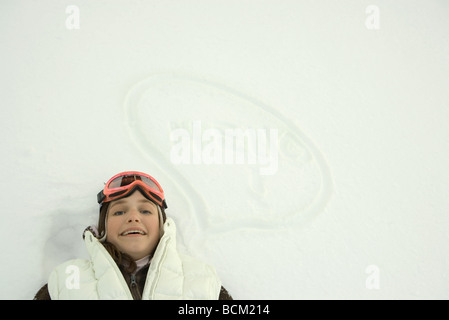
(123, 183)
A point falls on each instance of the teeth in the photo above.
(132, 231)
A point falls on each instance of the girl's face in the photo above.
(133, 225)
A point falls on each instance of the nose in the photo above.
(133, 216)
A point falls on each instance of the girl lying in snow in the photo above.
(133, 252)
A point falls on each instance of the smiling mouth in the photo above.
(133, 233)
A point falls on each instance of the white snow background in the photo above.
(358, 207)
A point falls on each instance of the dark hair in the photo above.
(122, 259)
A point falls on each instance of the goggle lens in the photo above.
(128, 179)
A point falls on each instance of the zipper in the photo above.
(134, 288)
(133, 280)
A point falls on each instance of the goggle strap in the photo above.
(100, 197)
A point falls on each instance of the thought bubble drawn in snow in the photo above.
(181, 124)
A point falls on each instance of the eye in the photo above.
(146, 212)
(118, 213)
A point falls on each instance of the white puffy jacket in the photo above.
(171, 275)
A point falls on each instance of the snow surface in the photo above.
(358, 205)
